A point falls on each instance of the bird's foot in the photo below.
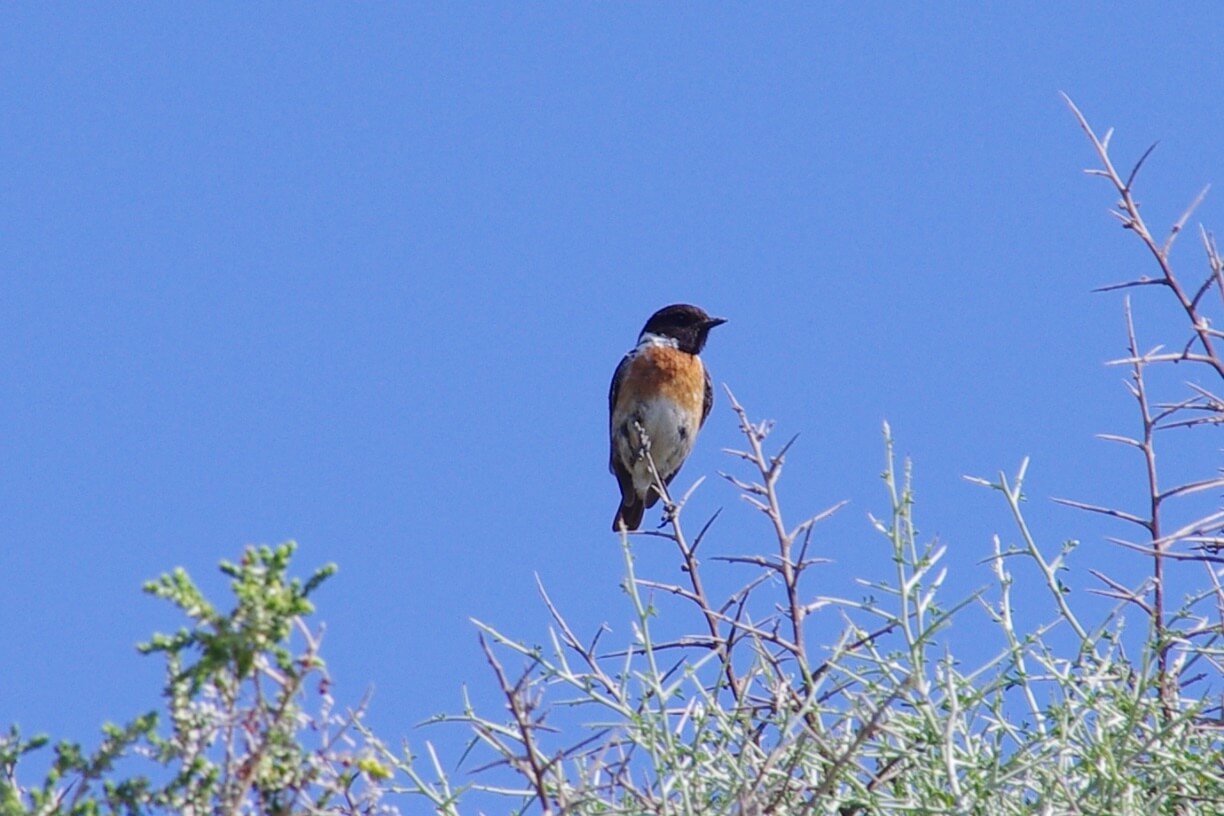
(669, 514)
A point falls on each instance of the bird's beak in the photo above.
(715, 321)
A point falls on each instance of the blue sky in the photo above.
(358, 276)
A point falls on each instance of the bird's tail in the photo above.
(629, 514)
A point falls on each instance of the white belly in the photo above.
(670, 433)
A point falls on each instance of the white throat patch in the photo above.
(649, 339)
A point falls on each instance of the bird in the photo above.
(659, 399)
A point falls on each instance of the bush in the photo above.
(741, 714)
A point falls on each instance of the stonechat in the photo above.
(660, 397)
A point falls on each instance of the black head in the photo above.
(687, 325)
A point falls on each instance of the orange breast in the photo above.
(668, 372)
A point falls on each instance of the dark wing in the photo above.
(707, 401)
(613, 393)
(631, 508)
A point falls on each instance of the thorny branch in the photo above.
(1128, 213)
(1201, 407)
